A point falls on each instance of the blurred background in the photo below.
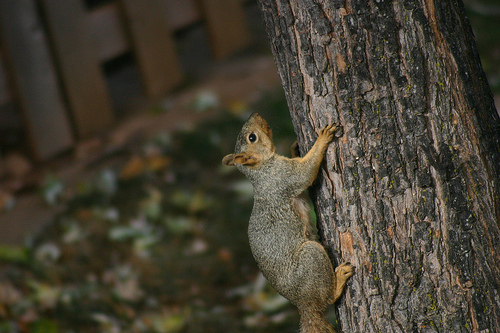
(115, 212)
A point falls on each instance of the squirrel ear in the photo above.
(228, 160)
(245, 159)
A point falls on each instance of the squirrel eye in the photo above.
(252, 137)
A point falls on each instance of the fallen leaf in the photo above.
(45, 295)
(134, 168)
(192, 202)
(47, 252)
(13, 254)
(110, 214)
(158, 163)
(142, 245)
(84, 214)
(121, 233)
(52, 189)
(7, 201)
(204, 101)
(9, 295)
(273, 302)
(238, 108)
(168, 323)
(151, 207)
(128, 290)
(255, 320)
(280, 318)
(225, 255)
(16, 165)
(198, 246)
(125, 283)
(44, 325)
(163, 140)
(107, 182)
(243, 189)
(181, 198)
(108, 324)
(8, 326)
(200, 201)
(72, 232)
(179, 225)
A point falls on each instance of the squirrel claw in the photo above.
(345, 269)
(331, 131)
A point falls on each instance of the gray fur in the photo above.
(298, 268)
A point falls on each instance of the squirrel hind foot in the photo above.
(342, 273)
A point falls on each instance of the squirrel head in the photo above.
(253, 145)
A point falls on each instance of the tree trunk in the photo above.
(413, 197)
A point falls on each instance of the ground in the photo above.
(145, 230)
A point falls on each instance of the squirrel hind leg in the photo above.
(301, 208)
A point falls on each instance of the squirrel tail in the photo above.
(313, 321)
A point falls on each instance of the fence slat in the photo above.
(226, 25)
(153, 45)
(34, 76)
(83, 80)
(180, 14)
(108, 31)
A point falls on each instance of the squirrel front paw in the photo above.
(330, 131)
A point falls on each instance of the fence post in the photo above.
(34, 78)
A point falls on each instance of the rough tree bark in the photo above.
(413, 198)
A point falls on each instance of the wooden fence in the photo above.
(52, 52)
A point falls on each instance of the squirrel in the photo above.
(298, 268)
